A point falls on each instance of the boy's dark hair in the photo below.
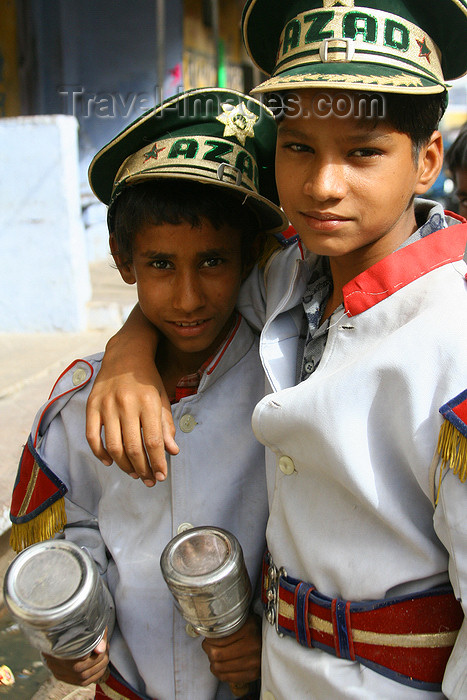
(456, 155)
(418, 116)
(415, 115)
(173, 201)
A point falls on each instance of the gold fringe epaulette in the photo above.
(452, 440)
(37, 510)
(452, 448)
(44, 526)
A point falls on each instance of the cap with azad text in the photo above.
(405, 46)
(215, 136)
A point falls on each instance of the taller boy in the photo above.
(362, 532)
(364, 345)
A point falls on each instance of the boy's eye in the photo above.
(211, 262)
(365, 152)
(297, 147)
(162, 264)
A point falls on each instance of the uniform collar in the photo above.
(227, 355)
(188, 385)
(418, 256)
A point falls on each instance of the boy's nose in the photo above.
(188, 295)
(326, 181)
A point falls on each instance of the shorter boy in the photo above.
(184, 214)
(456, 160)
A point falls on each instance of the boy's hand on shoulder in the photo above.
(85, 671)
(129, 402)
(236, 659)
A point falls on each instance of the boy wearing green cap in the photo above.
(185, 217)
(364, 345)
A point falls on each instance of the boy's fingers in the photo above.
(239, 675)
(159, 431)
(241, 669)
(102, 646)
(94, 670)
(158, 434)
(151, 424)
(82, 672)
(138, 429)
(134, 458)
(115, 441)
(168, 430)
(234, 654)
(104, 424)
(93, 435)
(237, 657)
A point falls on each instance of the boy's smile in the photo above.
(188, 280)
(347, 184)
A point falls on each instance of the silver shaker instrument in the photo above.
(206, 574)
(54, 592)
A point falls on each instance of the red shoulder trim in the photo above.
(403, 267)
(36, 487)
(74, 388)
(453, 215)
(287, 237)
(455, 411)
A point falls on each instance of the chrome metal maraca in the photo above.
(54, 592)
(206, 574)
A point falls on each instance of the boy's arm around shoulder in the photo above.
(128, 402)
(128, 406)
(267, 284)
(251, 300)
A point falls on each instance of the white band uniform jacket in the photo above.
(349, 470)
(218, 478)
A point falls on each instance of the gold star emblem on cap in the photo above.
(338, 3)
(239, 121)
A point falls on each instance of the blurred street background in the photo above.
(73, 74)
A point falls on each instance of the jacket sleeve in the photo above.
(55, 459)
(450, 522)
(252, 299)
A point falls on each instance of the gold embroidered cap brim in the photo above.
(216, 136)
(349, 77)
(399, 45)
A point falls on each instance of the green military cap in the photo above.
(215, 136)
(406, 46)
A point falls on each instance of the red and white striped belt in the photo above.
(113, 686)
(408, 638)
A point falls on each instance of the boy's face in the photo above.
(188, 280)
(461, 191)
(347, 184)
